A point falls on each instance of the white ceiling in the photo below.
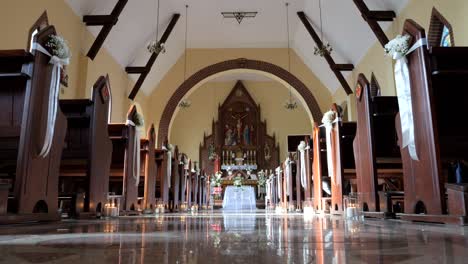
(344, 28)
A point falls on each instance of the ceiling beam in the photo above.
(145, 70)
(107, 22)
(336, 68)
(373, 17)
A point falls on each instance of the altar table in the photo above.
(239, 198)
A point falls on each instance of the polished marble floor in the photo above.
(235, 237)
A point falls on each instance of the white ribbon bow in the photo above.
(53, 97)
(403, 86)
(136, 153)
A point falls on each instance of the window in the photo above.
(440, 31)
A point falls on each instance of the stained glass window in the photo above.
(446, 40)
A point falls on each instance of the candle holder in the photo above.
(112, 206)
(351, 207)
(308, 206)
(184, 207)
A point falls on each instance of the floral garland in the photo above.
(398, 47)
(138, 119)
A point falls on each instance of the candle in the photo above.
(351, 212)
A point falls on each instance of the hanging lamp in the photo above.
(324, 49)
(290, 104)
(156, 46)
(184, 103)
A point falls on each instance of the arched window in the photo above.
(440, 31)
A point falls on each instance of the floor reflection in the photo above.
(234, 237)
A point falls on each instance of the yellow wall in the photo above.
(455, 11)
(200, 58)
(190, 124)
(19, 15)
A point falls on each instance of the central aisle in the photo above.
(236, 237)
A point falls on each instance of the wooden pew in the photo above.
(148, 154)
(438, 76)
(319, 169)
(25, 79)
(123, 180)
(342, 135)
(376, 151)
(85, 165)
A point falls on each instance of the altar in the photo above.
(239, 198)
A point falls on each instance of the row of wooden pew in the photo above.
(367, 155)
(89, 159)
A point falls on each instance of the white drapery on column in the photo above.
(53, 99)
(169, 164)
(136, 153)
(302, 149)
(279, 186)
(403, 85)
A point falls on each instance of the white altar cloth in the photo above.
(239, 198)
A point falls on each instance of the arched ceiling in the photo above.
(344, 28)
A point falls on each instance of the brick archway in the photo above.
(184, 88)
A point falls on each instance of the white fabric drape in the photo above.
(169, 166)
(403, 85)
(328, 131)
(302, 149)
(136, 153)
(287, 173)
(53, 97)
(279, 185)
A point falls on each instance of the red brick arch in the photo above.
(241, 63)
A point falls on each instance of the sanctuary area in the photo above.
(248, 131)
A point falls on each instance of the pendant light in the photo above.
(324, 49)
(156, 46)
(185, 103)
(290, 104)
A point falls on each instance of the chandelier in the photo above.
(156, 46)
(324, 49)
(290, 104)
(184, 104)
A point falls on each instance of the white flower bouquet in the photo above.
(328, 118)
(398, 47)
(238, 181)
(261, 182)
(58, 47)
(216, 181)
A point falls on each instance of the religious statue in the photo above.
(267, 152)
(247, 135)
(239, 118)
(228, 136)
(252, 135)
(211, 152)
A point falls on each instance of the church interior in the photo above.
(248, 131)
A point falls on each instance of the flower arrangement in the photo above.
(156, 47)
(322, 51)
(261, 182)
(302, 146)
(329, 117)
(58, 47)
(216, 181)
(238, 181)
(398, 47)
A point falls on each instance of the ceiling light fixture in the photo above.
(156, 46)
(290, 104)
(239, 16)
(185, 103)
(324, 49)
